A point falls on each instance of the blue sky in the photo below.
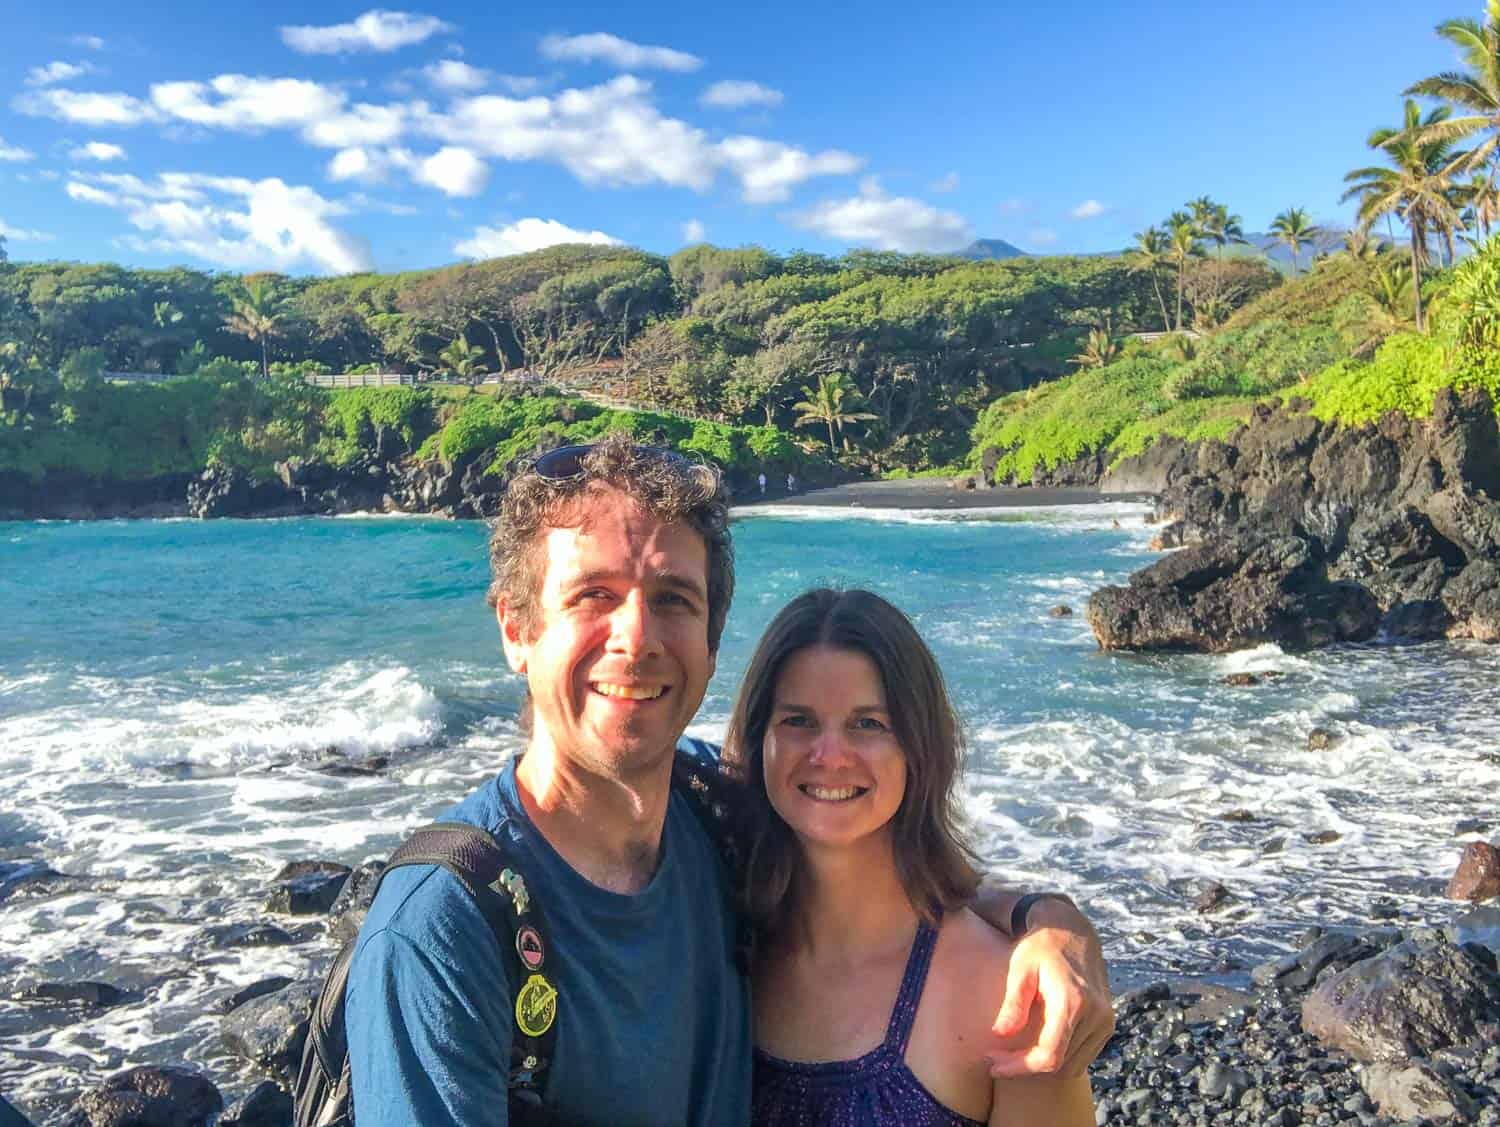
(334, 137)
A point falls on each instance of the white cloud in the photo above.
(454, 171)
(230, 221)
(604, 48)
(524, 235)
(1041, 236)
(733, 95)
(358, 164)
(884, 222)
(608, 134)
(693, 231)
(1012, 206)
(23, 234)
(362, 124)
(236, 101)
(456, 77)
(768, 170)
(14, 152)
(1089, 209)
(55, 72)
(92, 42)
(945, 184)
(376, 30)
(86, 108)
(98, 150)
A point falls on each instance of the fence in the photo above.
(363, 379)
(138, 377)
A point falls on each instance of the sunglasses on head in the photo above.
(566, 462)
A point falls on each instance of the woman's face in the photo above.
(833, 768)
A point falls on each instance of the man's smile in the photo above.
(628, 692)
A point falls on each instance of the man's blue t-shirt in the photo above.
(653, 1018)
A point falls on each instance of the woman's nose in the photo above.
(829, 746)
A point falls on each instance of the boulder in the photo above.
(223, 936)
(1466, 438)
(99, 994)
(347, 915)
(1478, 875)
(266, 1105)
(1211, 896)
(1415, 1091)
(1298, 971)
(1061, 610)
(306, 888)
(1232, 594)
(1321, 739)
(1472, 597)
(1411, 1000)
(148, 1097)
(269, 1031)
(254, 990)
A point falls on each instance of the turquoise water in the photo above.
(169, 689)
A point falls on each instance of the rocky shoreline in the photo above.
(388, 480)
(1375, 1027)
(1300, 533)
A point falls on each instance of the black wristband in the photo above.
(1023, 906)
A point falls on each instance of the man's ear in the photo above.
(512, 636)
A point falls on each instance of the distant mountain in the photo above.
(981, 249)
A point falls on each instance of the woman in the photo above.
(874, 987)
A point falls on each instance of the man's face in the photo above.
(617, 659)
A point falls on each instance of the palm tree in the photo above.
(1481, 204)
(1296, 230)
(830, 403)
(1415, 188)
(1223, 228)
(1150, 256)
(1476, 89)
(1099, 349)
(259, 314)
(463, 359)
(1182, 245)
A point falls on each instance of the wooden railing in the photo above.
(362, 379)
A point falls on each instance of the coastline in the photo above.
(938, 493)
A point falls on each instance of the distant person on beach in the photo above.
(873, 982)
(791, 484)
(762, 480)
(612, 578)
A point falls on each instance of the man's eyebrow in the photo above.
(673, 579)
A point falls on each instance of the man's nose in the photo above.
(633, 628)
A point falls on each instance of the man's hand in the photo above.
(1060, 963)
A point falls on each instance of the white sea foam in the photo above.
(1064, 518)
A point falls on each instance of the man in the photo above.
(613, 574)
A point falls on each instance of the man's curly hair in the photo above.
(664, 485)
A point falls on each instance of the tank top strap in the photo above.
(904, 1013)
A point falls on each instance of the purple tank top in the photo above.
(875, 1090)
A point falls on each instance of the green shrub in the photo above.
(1055, 423)
(1193, 421)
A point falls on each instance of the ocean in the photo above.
(173, 692)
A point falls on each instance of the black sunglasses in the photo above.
(566, 462)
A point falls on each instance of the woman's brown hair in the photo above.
(934, 863)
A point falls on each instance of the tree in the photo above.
(1223, 228)
(832, 403)
(1415, 188)
(463, 359)
(1476, 89)
(1296, 230)
(259, 315)
(1099, 348)
(1150, 256)
(1182, 248)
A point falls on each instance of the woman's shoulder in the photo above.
(973, 947)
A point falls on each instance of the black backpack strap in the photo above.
(483, 866)
(713, 796)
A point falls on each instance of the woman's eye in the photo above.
(869, 724)
(795, 721)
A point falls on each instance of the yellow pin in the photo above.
(536, 1006)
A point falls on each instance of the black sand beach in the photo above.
(936, 493)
